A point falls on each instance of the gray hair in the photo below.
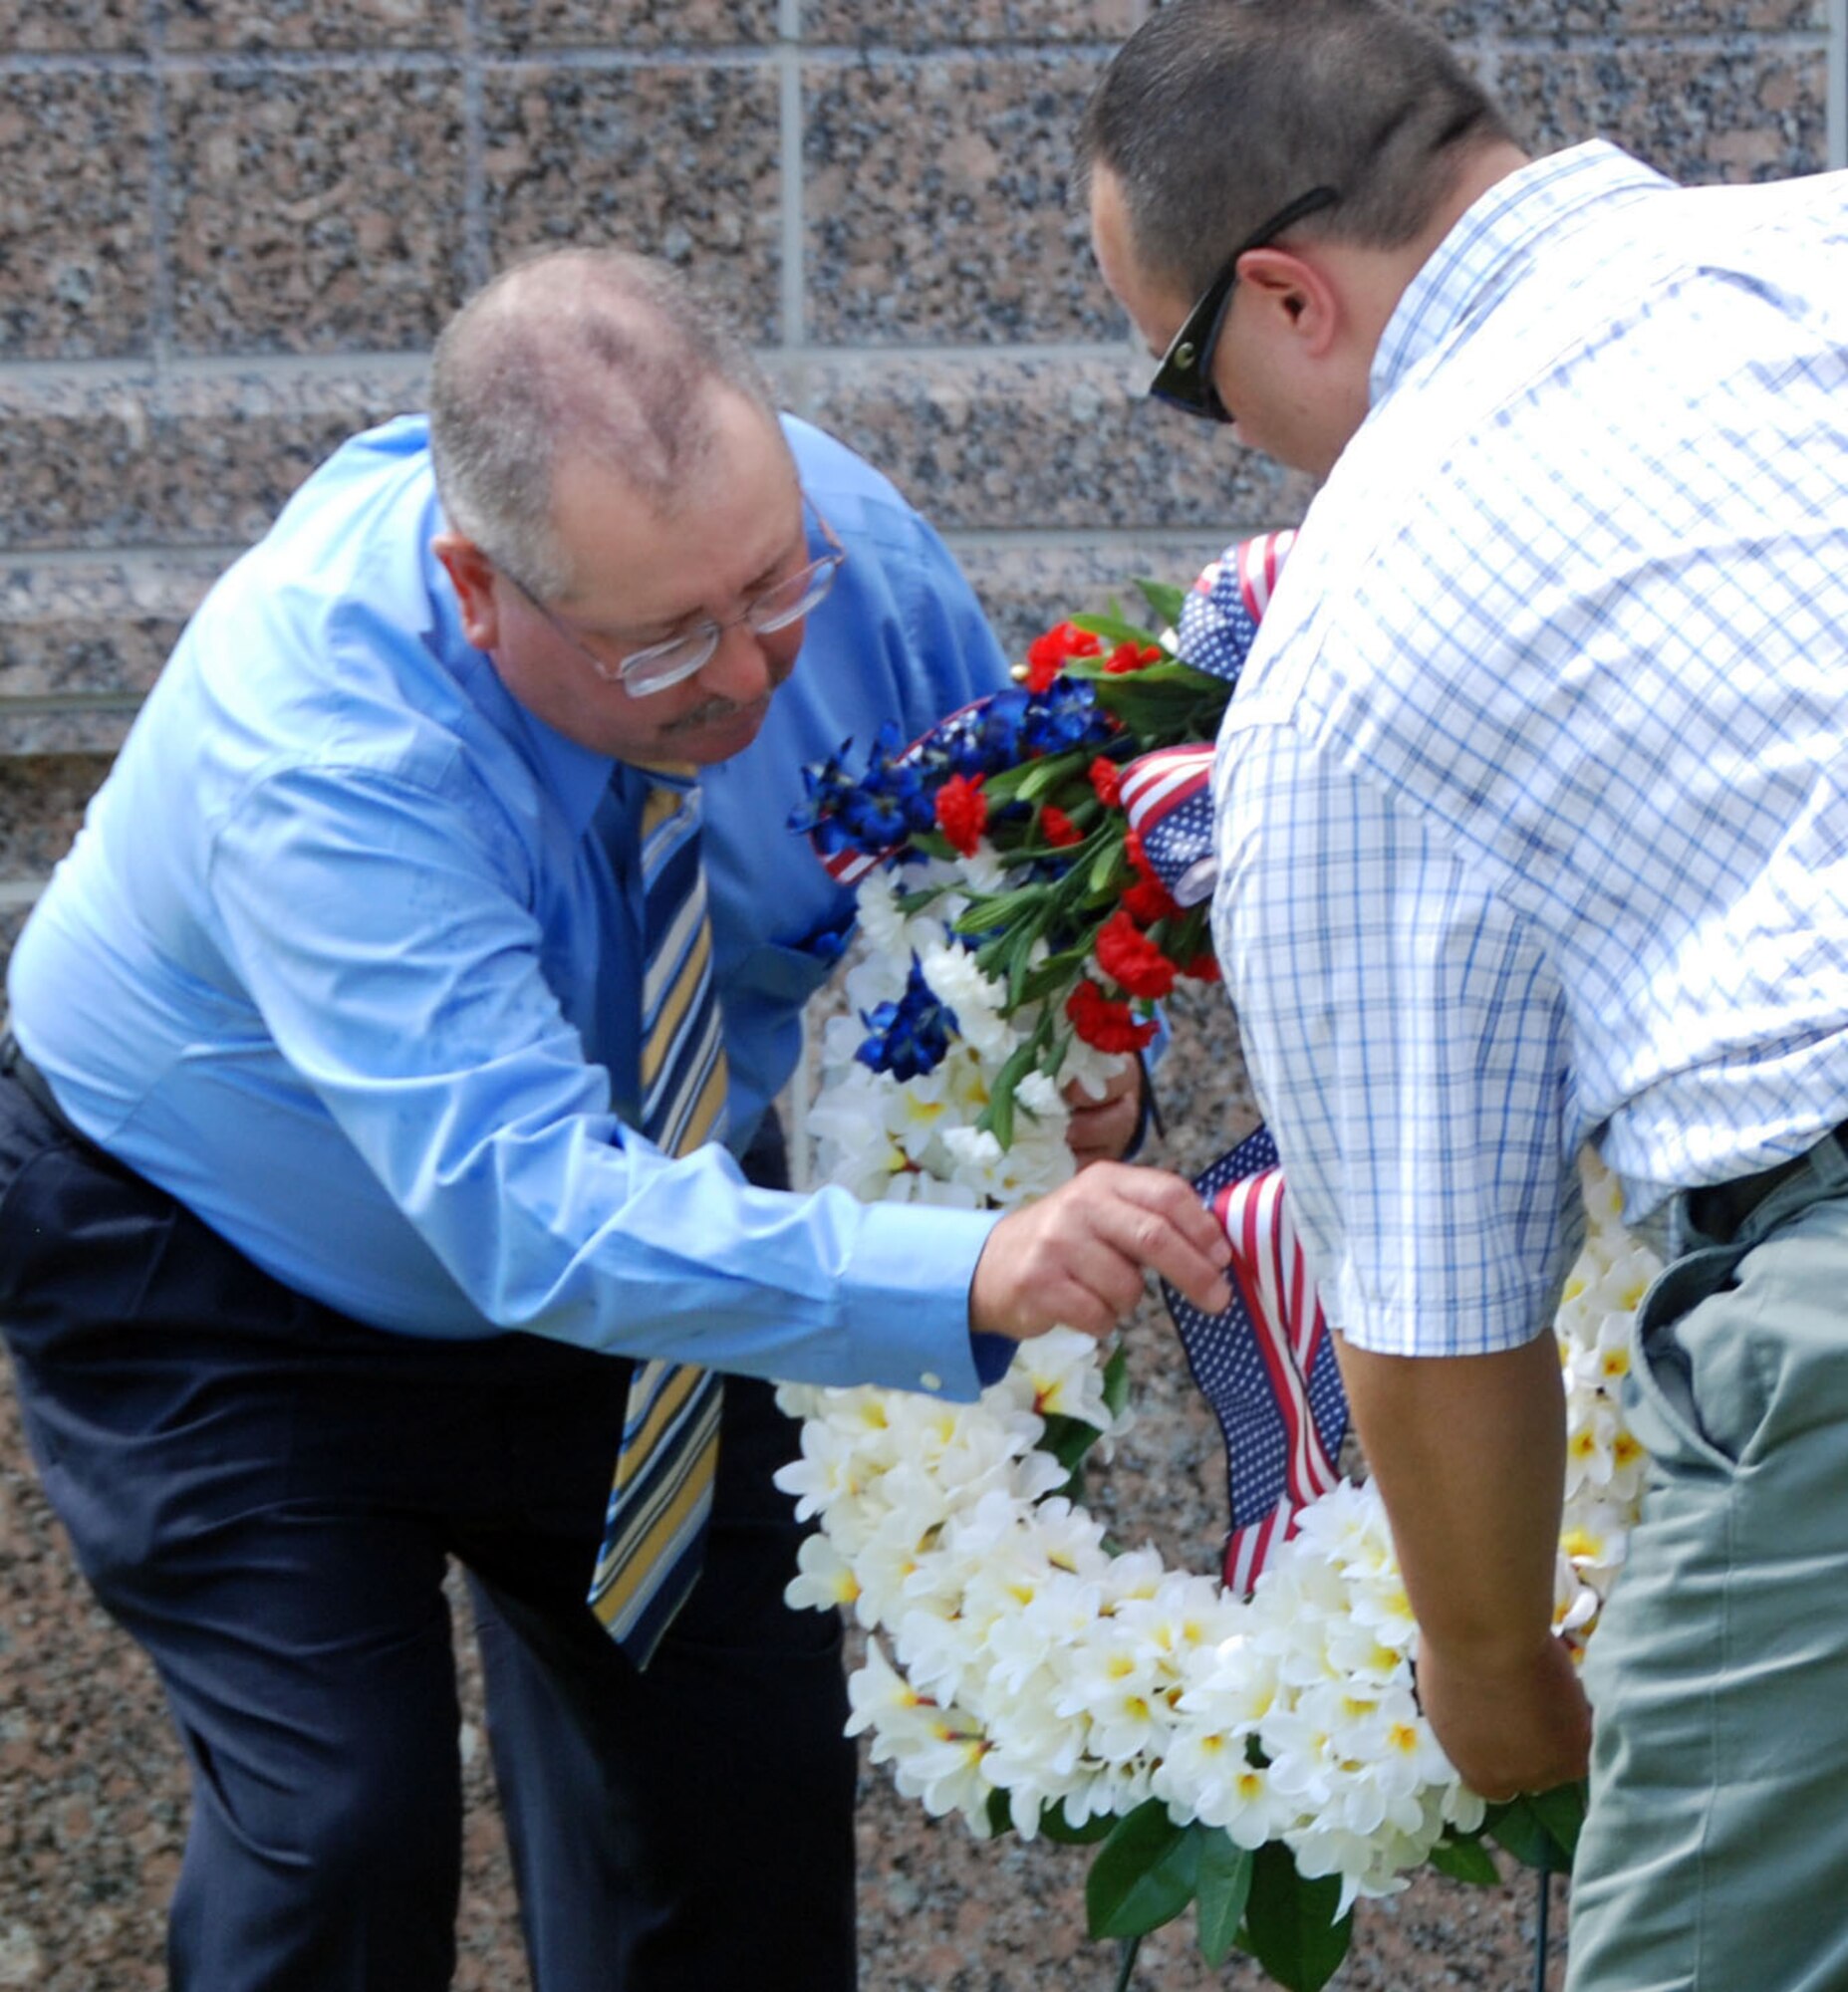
(609, 355)
(1217, 114)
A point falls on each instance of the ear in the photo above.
(471, 575)
(1296, 296)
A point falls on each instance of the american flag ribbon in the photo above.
(1168, 798)
(1266, 1363)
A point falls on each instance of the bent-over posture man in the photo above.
(1532, 825)
(381, 1149)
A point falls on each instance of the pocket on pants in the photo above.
(1672, 1401)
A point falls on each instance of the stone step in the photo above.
(120, 458)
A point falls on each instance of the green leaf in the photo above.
(1516, 1826)
(1001, 785)
(1165, 600)
(932, 843)
(1048, 774)
(1225, 1885)
(1068, 1440)
(1113, 629)
(1465, 1861)
(1117, 1381)
(1561, 1811)
(1055, 1825)
(1056, 972)
(997, 1118)
(1159, 715)
(1106, 866)
(1290, 1925)
(999, 912)
(1001, 1812)
(1143, 1874)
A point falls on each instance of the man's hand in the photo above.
(1103, 1126)
(1077, 1257)
(1468, 1454)
(1517, 1722)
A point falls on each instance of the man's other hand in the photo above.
(1516, 1723)
(1077, 1257)
(1102, 1128)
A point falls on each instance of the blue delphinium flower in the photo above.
(1064, 715)
(827, 786)
(911, 1036)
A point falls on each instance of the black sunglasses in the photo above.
(1185, 378)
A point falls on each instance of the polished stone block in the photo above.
(944, 23)
(41, 803)
(258, 27)
(72, 27)
(74, 632)
(1738, 112)
(77, 272)
(1615, 21)
(936, 201)
(176, 459)
(312, 210)
(677, 161)
(1048, 442)
(535, 26)
(1025, 589)
(1625, 19)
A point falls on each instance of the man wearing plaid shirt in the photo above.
(1532, 824)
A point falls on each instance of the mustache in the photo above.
(715, 711)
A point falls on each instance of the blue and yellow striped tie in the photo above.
(654, 1528)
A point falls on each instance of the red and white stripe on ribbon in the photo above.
(1260, 561)
(1165, 796)
(1289, 1328)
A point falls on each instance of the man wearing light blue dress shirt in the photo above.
(328, 1241)
(1532, 806)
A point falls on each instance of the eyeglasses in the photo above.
(1185, 378)
(656, 666)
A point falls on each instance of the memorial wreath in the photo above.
(1032, 881)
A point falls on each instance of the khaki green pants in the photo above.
(1715, 1853)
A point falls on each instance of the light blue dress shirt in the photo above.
(345, 956)
(1533, 801)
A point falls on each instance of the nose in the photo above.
(740, 670)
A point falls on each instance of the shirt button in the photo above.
(931, 1380)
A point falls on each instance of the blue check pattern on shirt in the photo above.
(1532, 806)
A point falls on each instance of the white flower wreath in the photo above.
(1011, 1650)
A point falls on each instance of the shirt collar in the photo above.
(1490, 245)
(576, 775)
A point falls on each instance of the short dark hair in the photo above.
(603, 354)
(1217, 114)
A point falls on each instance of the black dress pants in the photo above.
(265, 1494)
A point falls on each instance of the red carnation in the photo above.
(963, 813)
(1149, 901)
(1139, 858)
(1205, 967)
(1128, 956)
(1107, 781)
(1043, 664)
(1131, 657)
(1047, 654)
(1057, 828)
(1105, 1025)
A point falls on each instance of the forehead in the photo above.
(659, 556)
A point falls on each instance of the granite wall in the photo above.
(227, 233)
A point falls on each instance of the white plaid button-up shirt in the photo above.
(1532, 806)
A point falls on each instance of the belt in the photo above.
(33, 1083)
(1721, 1209)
